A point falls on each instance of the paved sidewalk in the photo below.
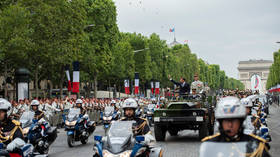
(274, 129)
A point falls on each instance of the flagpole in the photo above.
(174, 34)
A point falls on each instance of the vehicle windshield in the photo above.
(74, 114)
(121, 129)
(26, 118)
(236, 149)
(109, 110)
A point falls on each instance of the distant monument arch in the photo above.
(253, 74)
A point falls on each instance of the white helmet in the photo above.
(129, 103)
(79, 101)
(246, 102)
(113, 102)
(35, 103)
(5, 105)
(162, 98)
(230, 107)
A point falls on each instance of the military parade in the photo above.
(139, 78)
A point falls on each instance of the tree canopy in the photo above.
(45, 36)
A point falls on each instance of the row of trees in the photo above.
(274, 71)
(45, 36)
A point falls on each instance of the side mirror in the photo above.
(140, 138)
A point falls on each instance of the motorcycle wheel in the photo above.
(45, 151)
(70, 141)
(84, 141)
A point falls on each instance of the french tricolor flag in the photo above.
(68, 77)
(136, 84)
(76, 77)
(157, 88)
(152, 87)
(126, 86)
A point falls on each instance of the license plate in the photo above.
(157, 119)
(199, 119)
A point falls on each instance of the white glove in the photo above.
(16, 143)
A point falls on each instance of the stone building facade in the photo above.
(254, 72)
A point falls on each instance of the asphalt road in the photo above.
(185, 144)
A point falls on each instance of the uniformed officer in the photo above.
(79, 104)
(9, 129)
(129, 107)
(230, 114)
(35, 108)
(197, 85)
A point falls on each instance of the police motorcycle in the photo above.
(108, 116)
(150, 114)
(78, 127)
(18, 148)
(120, 141)
(37, 132)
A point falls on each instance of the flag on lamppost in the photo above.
(136, 84)
(67, 71)
(76, 77)
(126, 86)
(157, 88)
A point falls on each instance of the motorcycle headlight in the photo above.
(107, 118)
(25, 131)
(123, 154)
(70, 123)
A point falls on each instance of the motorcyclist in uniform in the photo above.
(129, 107)
(79, 104)
(35, 108)
(230, 114)
(10, 129)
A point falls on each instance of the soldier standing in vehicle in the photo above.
(197, 85)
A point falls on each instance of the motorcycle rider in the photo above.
(230, 114)
(129, 107)
(79, 104)
(10, 129)
(35, 108)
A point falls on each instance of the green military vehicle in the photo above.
(189, 113)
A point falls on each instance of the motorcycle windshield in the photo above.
(26, 118)
(225, 149)
(108, 111)
(119, 136)
(74, 114)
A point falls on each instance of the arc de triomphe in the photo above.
(253, 74)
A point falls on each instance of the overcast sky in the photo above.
(219, 31)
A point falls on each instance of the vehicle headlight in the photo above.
(123, 154)
(107, 118)
(70, 123)
(25, 131)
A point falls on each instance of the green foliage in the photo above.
(274, 71)
(44, 36)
